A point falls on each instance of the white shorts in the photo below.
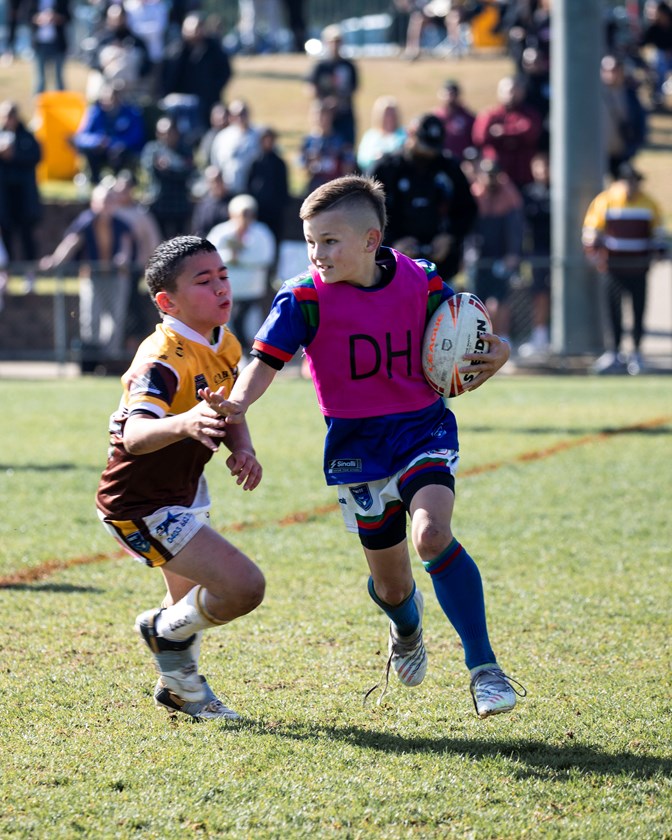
(157, 538)
(374, 507)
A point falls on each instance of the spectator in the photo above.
(20, 205)
(386, 133)
(119, 57)
(324, 154)
(623, 115)
(236, 147)
(259, 23)
(13, 19)
(111, 134)
(212, 207)
(103, 245)
(247, 248)
(495, 246)
(537, 247)
(457, 120)
(657, 35)
(169, 166)
(219, 119)
(268, 184)
(146, 237)
(622, 232)
(197, 64)
(429, 204)
(48, 23)
(333, 81)
(148, 19)
(296, 16)
(510, 131)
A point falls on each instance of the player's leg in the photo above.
(459, 591)
(392, 588)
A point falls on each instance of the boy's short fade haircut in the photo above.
(164, 265)
(348, 192)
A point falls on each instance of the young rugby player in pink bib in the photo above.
(391, 447)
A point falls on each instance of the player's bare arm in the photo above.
(242, 462)
(250, 385)
(144, 433)
(488, 363)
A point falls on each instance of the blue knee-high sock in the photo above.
(405, 616)
(458, 587)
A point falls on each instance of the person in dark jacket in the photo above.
(197, 64)
(20, 205)
(430, 207)
(48, 26)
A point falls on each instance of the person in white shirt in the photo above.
(247, 248)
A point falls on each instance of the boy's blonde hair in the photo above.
(351, 192)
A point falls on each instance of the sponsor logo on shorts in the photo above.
(341, 465)
(166, 529)
(138, 543)
(362, 495)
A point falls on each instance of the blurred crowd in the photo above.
(165, 151)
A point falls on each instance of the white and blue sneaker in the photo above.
(173, 660)
(492, 691)
(407, 654)
(210, 708)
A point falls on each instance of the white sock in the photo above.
(186, 617)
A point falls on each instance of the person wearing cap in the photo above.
(247, 248)
(622, 233)
(457, 120)
(429, 204)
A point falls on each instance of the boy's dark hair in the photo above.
(164, 266)
(349, 191)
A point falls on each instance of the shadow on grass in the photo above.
(530, 759)
(550, 430)
(58, 588)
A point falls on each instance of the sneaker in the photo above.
(407, 653)
(493, 691)
(173, 660)
(635, 364)
(210, 708)
(609, 363)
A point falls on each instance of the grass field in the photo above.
(563, 498)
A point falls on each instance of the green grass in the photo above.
(563, 500)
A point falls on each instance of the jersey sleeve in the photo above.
(150, 388)
(291, 323)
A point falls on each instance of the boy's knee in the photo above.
(430, 538)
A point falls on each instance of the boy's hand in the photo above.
(232, 411)
(245, 468)
(488, 363)
(203, 424)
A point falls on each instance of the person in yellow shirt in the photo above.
(622, 233)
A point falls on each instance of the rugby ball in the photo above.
(454, 330)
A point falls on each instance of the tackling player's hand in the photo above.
(245, 468)
(232, 411)
(488, 363)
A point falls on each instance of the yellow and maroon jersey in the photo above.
(169, 368)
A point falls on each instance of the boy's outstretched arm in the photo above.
(488, 363)
(250, 385)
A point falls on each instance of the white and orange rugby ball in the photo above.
(455, 329)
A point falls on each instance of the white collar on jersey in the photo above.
(182, 329)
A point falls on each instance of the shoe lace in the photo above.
(486, 683)
(399, 648)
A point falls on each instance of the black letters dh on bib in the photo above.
(390, 354)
